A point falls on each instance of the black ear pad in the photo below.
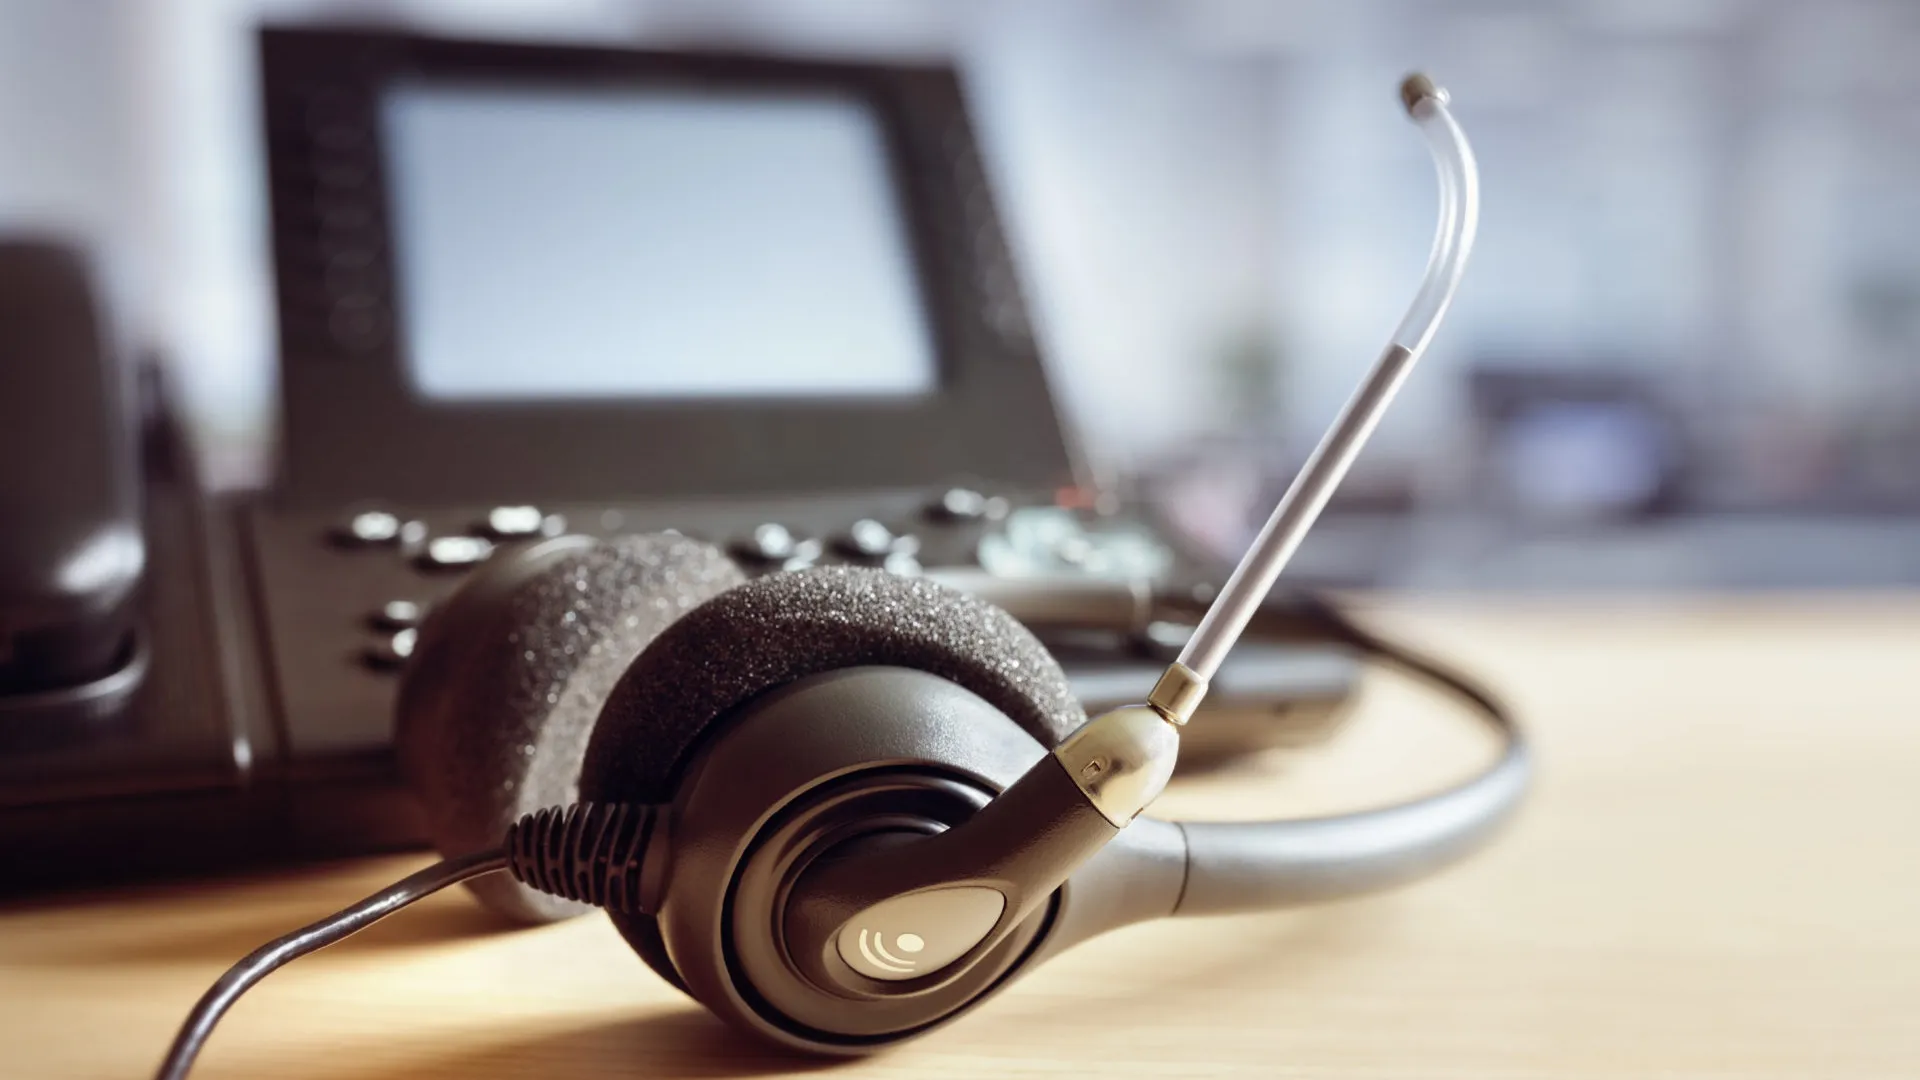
(504, 686)
(785, 627)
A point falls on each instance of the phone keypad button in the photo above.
(958, 504)
(871, 541)
(370, 527)
(806, 553)
(865, 539)
(455, 552)
(516, 522)
(398, 615)
(771, 542)
(394, 651)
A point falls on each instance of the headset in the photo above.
(839, 806)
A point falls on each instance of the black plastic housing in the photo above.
(928, 749)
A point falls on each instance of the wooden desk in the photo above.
(1719, 876)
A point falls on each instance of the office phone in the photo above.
(526, 290)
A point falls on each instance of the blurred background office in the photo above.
(1687, 354)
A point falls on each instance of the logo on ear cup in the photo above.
(874, 948)
(947, 922)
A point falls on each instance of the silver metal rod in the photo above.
(1298, 510)
(1247, 588)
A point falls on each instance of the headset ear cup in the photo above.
(785, 627)
(499, 700)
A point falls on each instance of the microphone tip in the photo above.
(1416, 90)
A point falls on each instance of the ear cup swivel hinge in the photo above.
(1121, 760)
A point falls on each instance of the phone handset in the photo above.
(71, 549)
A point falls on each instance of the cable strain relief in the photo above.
(595, 853)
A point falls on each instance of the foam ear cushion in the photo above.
(785, 627)
(499, 699)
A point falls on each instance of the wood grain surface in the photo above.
(1718, 876)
